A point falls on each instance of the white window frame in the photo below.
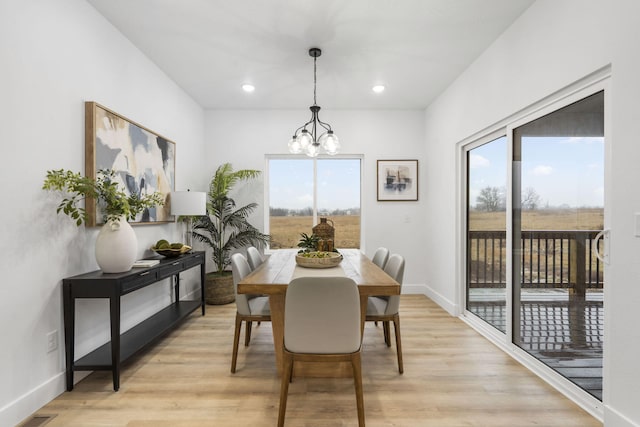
(267, 205)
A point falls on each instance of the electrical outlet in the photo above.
(52, 341)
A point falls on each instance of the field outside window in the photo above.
(301, 191)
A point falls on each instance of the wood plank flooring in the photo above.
(453, 377)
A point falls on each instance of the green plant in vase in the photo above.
(113, 201)
(116, 244)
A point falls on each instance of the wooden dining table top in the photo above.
(272, 278)
(275, 273)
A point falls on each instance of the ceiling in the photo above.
(416, 48)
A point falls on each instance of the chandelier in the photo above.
(307, 140)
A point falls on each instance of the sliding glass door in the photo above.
(535, 206)
(558, 209)
(487, 232)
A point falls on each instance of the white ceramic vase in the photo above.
(116, 246)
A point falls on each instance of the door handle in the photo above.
(604, 235)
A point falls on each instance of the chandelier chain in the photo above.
(314, 80)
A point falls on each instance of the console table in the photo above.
(113, 286)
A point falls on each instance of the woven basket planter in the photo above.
(219, 290)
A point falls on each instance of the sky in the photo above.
(291, 183)
(562, 170)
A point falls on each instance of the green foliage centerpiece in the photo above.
(308, 243)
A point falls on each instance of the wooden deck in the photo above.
(453, 377)
(566, 335)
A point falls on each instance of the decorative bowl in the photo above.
(318, 259)
(171, 253)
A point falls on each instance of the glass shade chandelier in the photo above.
(307, 140)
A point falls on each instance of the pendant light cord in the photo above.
(315, 58)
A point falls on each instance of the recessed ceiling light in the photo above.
(378, 88)
(248, 88)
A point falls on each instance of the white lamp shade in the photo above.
(294, 146)
(329, 141)
(305, 139)
(188, 203)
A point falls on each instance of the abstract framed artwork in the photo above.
(397, 180)
(144, 161)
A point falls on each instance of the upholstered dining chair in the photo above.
(254, 257)
(385, 309)
(380, 257)
(322, 324)
(248, 308)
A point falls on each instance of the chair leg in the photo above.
(284, 386)
(396, 326)
(357, 380)
(236, 339)
(387, 332)
(291, 371)
(247, 333)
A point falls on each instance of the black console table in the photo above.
(113, 286)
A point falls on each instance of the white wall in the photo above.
(244, 137)
(55, 56)
(553, 44)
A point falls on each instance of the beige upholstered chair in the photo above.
(322, 324)
(248, 309)
(254, 257)
(386, 308)
(380, 257)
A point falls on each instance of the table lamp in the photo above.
(188, 204)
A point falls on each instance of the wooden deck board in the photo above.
(553, 332)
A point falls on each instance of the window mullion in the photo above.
(315, 190)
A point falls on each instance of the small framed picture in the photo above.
(397, 180)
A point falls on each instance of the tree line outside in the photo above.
(494, 199)
(308, 211)
(489, 213)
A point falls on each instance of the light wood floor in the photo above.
(452, 377)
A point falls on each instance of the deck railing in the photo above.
(547, 259)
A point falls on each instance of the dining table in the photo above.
(272, 278)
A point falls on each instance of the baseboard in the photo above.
(613, 418)
(439, 299)
(22, 407)
(419, 289)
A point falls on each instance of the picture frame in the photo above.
(397, 180)
(143, 160)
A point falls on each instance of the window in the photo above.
(300, 191)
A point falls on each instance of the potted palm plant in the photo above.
(116, 244)
(225, 228)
